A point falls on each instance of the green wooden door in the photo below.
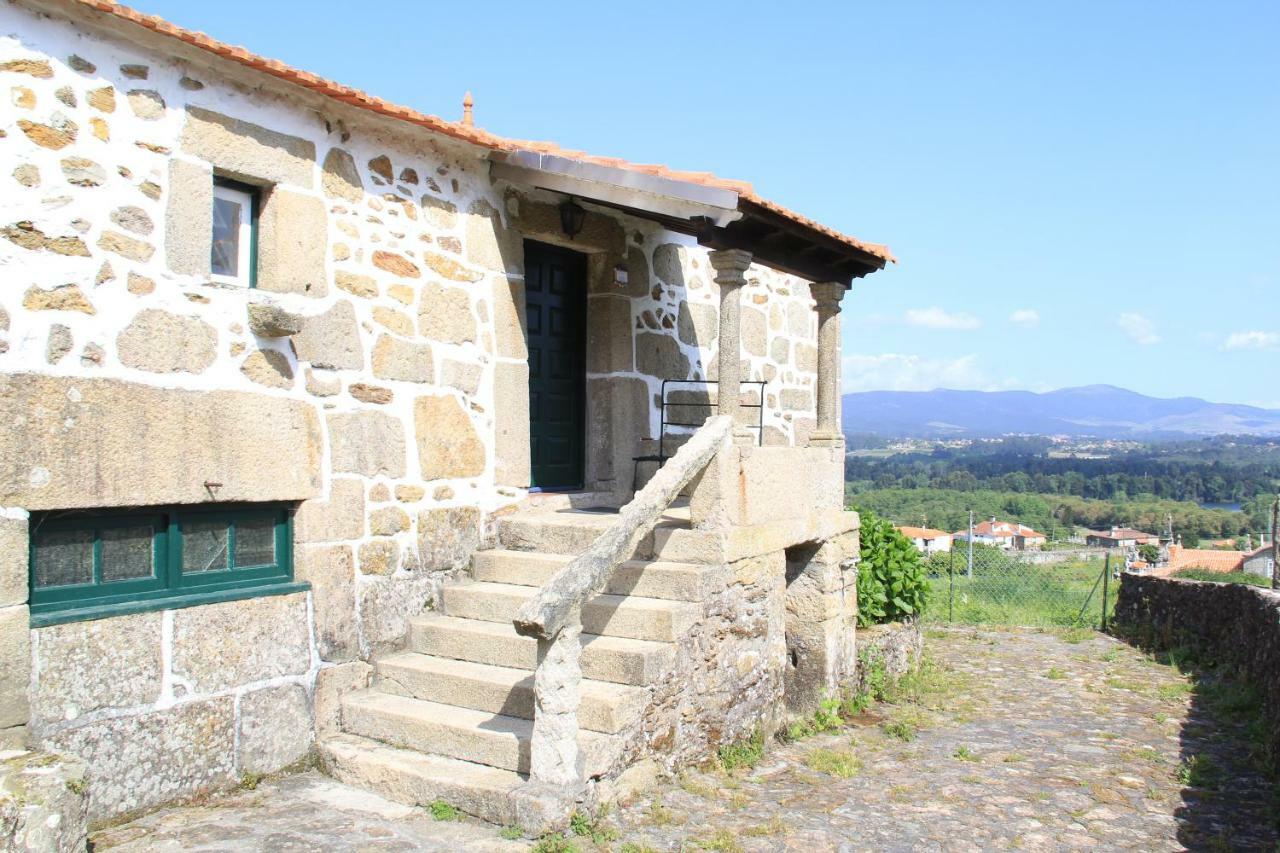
(555, 283)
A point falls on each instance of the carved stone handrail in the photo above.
(554, 615)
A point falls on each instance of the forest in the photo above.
(1037, 482)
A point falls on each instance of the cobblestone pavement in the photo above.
(1012, 739)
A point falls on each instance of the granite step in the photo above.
(495, 740)
(605, 707)
(650, 579)
(418, 779)
(630, 616)
(615, 659)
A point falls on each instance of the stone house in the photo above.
(319, 413)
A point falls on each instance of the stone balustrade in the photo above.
(553, 616)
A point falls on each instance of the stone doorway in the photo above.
(556, 309)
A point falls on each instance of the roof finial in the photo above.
(467, 104)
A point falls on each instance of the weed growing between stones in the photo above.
(510, 833)
(745, 754)
(722, 840)
(964, 753)
(586, 826)
(440, 810)
(1056, 673)
(775, 826)
(554, 843)
(900, 729)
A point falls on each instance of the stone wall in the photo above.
(896, 647)
(377, 376)
(1235, 624)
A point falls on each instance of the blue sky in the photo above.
(1083, 192)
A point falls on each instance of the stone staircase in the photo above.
(450, 717)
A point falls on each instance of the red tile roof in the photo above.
(456, 130)
(1195, 558)
(922, 532)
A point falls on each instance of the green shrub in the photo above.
(891, 577)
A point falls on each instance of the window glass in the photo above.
(204, 546)
(255, 543)
(227, 215)
(127, 553)
(63, 557)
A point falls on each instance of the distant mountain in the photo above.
(1094, 410)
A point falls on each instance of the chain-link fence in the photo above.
(995, 586)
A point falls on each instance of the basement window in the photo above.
(86, 565)
(234, 256)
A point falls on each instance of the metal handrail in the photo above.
(665, 404)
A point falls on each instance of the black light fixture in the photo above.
(572, 215)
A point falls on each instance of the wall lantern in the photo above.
(571, 217)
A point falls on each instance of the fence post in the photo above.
(970, 540)
(1106, 577)
(951, 584)
(1275, 544)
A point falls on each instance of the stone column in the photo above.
(827, 295)
(731, 267)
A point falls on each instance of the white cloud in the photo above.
(1026, 317)
(936, 318)
(1252, 340)
(1139, 328)
(899, 372)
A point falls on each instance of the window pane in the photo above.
(126, 553)
(255, 543)
(64, 557)
(226, 237)
(204, 546)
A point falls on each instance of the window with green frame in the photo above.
(96, 563)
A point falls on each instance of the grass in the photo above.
(554, 843)
(1056, 673)
(964, 753)
(742, 755)
(903, 730)
(1010, 592)
(586, 826)
(510, 833)
(841, 763)
(440, 810)
(721, 840)
(1222, 577)
(1199, 771)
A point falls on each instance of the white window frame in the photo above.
(244, 242)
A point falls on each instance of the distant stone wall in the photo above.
(1236, 624)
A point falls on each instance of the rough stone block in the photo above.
(160, 342)
(369, 443)
(754, 332)
(248, 151)
(221, 646)
(332, 683)
(45, 803)
(387, 605)
(188, 219)
(448, 537)
(13, 560)
(511, 457)
(276, 728)
(78, 446)
(341, 178)
(448, 444)
(82, 667)
(292, 236)
(401, 360)
(698, 324)
(331, 572)
(509, 318)
(333, 520)
(444, 314)
(462, 375)
(137, 762)
(491, 244)
(15, 665)
(272, 321)
(331, 339)
(609, 345)
(660, 356)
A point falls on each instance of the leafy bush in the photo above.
(1149, 553)
(891, 577)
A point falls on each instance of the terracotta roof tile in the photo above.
(457, 130)
(922, 532)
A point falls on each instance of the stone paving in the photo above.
(1010, 739)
